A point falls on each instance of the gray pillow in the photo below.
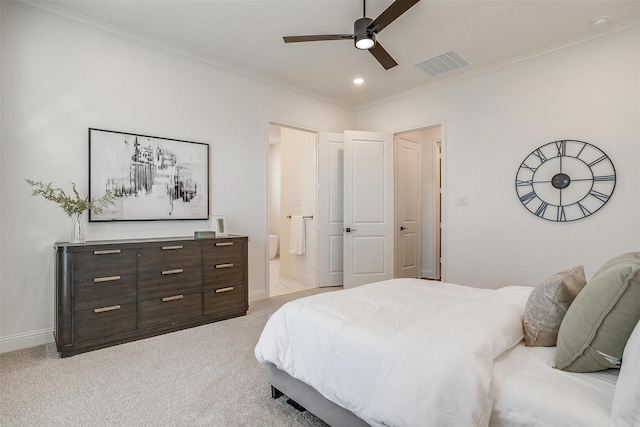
(598, 324)
(548, 304)
(626, 398)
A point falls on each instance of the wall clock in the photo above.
(565, 180)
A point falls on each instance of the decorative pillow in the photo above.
(626, 398)
(598, 324)
(547, 305)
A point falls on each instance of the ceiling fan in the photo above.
(365, 30)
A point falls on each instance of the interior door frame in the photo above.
(443, 205)
(280, 123)
(437, 154)
(443, 186)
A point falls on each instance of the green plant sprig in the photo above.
(71, 205)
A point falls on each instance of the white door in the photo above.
(368, 207)
(437, 153)
(408, 235)
(331, 217)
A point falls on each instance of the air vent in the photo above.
(441, 64)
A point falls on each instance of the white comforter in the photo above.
(402, 352)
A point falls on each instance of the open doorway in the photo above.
(418, 189)
(292, 204)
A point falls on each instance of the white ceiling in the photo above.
(247, 35)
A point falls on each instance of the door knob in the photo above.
(402, 228)
(349, 229)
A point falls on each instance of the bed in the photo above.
(409, 352)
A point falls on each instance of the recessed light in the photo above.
(358, 80)
(600, 22)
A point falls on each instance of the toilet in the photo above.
(273, 245)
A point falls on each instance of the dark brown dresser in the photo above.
(114, 291)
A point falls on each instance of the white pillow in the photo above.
(625, 409)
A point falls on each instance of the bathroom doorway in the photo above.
(292, 204)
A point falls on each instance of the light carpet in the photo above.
(203, 376)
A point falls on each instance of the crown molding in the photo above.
(512, 62)
(96, 26)
(108, 30)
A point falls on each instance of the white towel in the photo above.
(297, 239)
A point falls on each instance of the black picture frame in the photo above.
(155, 178)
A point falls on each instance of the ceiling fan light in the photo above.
(364, 42)
(363, 37)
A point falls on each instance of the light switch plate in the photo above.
(462, 201)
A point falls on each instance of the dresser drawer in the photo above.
(170, 256)
(114, 291)
(104, 291)
(169, 309)
(227, 251)
(104, 262)
(215, 276)
(176, 281)
(104, 321)
(225, 299)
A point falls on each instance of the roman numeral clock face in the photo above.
(565, 180)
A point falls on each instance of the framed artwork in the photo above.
(219, 225)
(154, 178)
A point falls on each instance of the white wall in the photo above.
(492, 121)
(1, 175)
(58, 79)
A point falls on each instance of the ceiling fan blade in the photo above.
(383, 56)
(392, 13)
(316, 38)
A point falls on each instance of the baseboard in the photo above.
(25, 340)
(257, 295)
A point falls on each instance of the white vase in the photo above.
(77, 229)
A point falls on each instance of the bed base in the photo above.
(308, 398)
(276, 394)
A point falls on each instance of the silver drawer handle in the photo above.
(176, 271)
(173, 298)
(224, 265)
(168, 248)
(107, 252)
(221, 290)
(105, 309)
(225, 244)
(105, 279)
